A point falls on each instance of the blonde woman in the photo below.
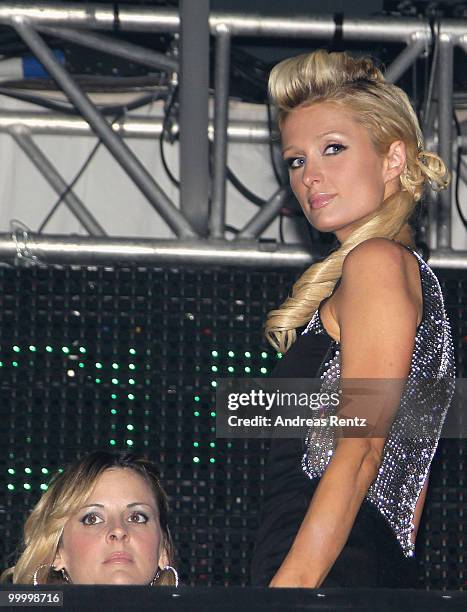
(103, 520)
(343, 511)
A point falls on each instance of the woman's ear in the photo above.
(163, 558)
(395, 161)
(58, 563)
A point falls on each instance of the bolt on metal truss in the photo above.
(200, 232)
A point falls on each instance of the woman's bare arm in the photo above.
(377, 317)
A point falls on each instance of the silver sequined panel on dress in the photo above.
(430, 386)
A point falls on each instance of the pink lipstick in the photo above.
(119, 557)
(321, 199)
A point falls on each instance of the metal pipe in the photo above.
(194, 113)
(141, 19)
(137, 126)
(132, 126)
(221, 119)
(265, 215)
(117, 147)
(463, 172)
(406, 58)
(445, 133)
(51, 175)
(120, 48)
(81, 250)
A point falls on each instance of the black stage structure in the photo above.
(127, 358)
(218, 599)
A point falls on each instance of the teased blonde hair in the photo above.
(68, 492)
(386, 112)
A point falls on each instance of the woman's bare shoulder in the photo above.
(383, 264)
(373, 253)
(377, 275)
(378, 272)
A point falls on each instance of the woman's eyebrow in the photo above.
(128, 505)
(321, 135)
(92, 506)
(139, 504)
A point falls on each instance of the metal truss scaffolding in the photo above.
(200, 228)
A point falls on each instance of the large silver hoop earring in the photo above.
(63, 571)
(65, 576)
(167, 568)
(38, 569)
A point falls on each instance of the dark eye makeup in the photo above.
(297, 162)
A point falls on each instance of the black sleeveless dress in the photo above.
(372, 556)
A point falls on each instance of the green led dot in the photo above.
(264, 370)
(44, 470)
(115, 366)
(196, 413)
(212, 460)
(212, 444)
(44, 487)
(27, 486)
(98, 380)
(213, 383)
(231, 354)
(114, 396)
(247, 354)
(82, 349)
(112, 442)
(49, 349)
(131, 396)
(132, 351)
(231, 369)
(247, 369)
(81, 364)
(129, 442)
(264, 355)
(28, 440)
(213, 414)
(115, 381)
(32, 348)
(1, 364)
(11, 487)
(197, 398)
(214, 353)
(131, 381)
(196, 444)
(11, 471)
(132, 366)
(130, 427)
(65, 349)
(214, 368)
(60, 470)
(99, 365)
(113, 411)
(195, 459)
(28, 470)
(279, 355)
(14, 364)
(16, 349)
